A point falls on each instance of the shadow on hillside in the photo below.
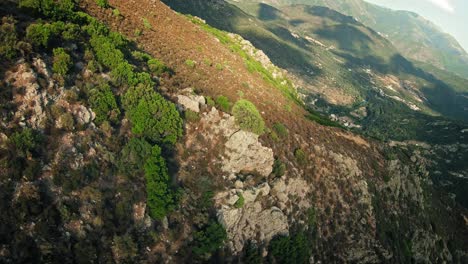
(267, 13)
(347, 37)
(326, 12)
(441, 97)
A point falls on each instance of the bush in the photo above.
(8, 38)
(38, 34)
(279, 168)
(191, 116)
(240, 202)
(62, 62)
(133, 156)
(295, 249)
(104, 105)
(56, 9)
(210, 101)
(146, 23)
(208, 240)
(151, 115)
(102, 3)
(280, 129)
(300, 156)
(223, 103)
(248, 117)
(157, 67)
(190, 63)
(160, 198)
(116, 12)
(25, 141)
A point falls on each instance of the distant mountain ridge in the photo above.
(414, 36)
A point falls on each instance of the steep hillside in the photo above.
(132, 134)
(415, 37)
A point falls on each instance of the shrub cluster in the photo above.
(152, 116)
(55, 9)
(223, 103)
(102, 3)
(62, 62)
(103, 103)
(8, 38)
(208, 240)
(248, 117)
(290, 249)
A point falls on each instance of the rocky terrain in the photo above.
(99, 182)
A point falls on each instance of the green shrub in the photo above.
(248, 117)
(190, 63)
(56, 9)
(62, 62)
(133, 156)
(38, 34)
(24, 141)
(191, 116)
(240, 202)
(160, 197)
(223, 103)
(295, 249)
(137, 32)
(151, 115)
(300, 156)
(104, 105)
(146, 23)
(219, 67)
(210, 101)
(280, 129)
(208, 240)
(116, 12)
(102, 3)
(279, 168)
(156, 66)
(8, 38)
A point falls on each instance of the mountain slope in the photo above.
(133, 134)
(415, 37)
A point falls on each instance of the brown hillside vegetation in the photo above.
(174, 39)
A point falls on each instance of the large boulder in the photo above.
(246, 153)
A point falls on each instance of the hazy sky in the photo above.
(450, 15)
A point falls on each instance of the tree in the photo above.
(151, 115)
(248, 117)
(103, 103)
(208, 240)
(8, 38)
(160, 197)
(62, 62)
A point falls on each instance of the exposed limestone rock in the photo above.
(83, 115)
(28, 96)
(191, 102)
(250, 222)
(245, 153)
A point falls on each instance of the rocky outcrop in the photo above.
(252, 221)
(191, 102)
(245, 153)
(28, 95)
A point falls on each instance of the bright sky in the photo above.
(450, 15)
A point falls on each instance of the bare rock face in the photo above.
(245, 153)
(253, 221)
(191, 102)
(27, 95)
(83, 115)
